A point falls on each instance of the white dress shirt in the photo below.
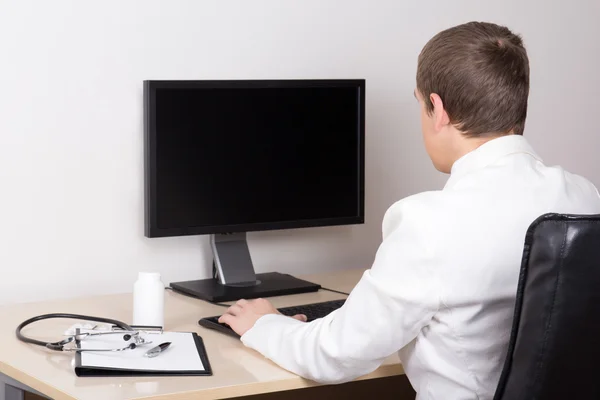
(442, 287)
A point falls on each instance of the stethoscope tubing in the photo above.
(59, 346)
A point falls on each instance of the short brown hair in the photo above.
(481, 72)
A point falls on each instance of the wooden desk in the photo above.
(237, 370)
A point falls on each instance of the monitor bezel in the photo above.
(151, 228)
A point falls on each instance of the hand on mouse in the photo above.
(243, 315)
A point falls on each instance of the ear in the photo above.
(440, 116)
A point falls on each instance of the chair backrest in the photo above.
(554, 348)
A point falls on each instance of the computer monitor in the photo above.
(224, 158)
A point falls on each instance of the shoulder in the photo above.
(580, 182)
(416, 212)
(578, 188)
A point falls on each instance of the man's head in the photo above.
(473, 85)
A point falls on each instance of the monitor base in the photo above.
(268, 285)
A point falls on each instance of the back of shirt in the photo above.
(441, 289)
(475, 231)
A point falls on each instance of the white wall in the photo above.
(71, 129)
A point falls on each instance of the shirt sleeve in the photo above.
(392, 302)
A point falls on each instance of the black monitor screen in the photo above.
(231, 157)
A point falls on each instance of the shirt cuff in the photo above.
(264, 328)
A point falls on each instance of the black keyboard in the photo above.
(312, 311)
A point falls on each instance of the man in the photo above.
(442, 287)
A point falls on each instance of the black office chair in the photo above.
(554, 348)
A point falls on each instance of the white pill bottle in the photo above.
(148, 300)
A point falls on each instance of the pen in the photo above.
(157, 350)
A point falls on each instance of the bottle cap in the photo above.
(149, 275)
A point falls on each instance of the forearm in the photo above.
(313, 351)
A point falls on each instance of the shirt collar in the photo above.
(488, 153)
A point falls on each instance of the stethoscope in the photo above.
(127, 331)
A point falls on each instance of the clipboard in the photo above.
(185, 357)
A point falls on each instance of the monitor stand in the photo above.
(234, 277)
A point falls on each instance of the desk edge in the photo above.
(34, 383)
